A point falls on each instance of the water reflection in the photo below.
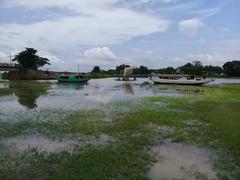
(179, 161)
(128, 89)
(50, 94)
(26, 92)
(70, 86)
(23, 95)
(21, 144)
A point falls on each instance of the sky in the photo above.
(107, 33)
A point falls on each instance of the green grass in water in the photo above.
(206, 117)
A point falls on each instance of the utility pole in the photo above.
(10, 57)
(78, 68)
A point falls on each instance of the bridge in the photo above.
(8, 67)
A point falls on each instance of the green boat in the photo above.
(73, 79)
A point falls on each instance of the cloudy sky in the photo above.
(154, 33)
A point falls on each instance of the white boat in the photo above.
(178, 79)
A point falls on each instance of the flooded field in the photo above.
(178, 161)
(119, 130)
(26, 95)
(50, 94)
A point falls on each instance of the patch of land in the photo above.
(126, 140)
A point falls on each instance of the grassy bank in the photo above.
(115, 142)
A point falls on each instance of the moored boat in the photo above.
(73, 79)
(179, 79)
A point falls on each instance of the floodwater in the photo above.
(21, 144)
(23, 95)
(179, 161)
(44, 101)
(219, 81)
(28, 95)
(30, 101)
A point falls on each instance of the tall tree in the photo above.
(168, 70)
(29, 60)
(96, 69)
(213, 70)
(119, 69)
(143, 70)
(195, 68)
(232, 68)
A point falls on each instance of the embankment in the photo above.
(31, 75)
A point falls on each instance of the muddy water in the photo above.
(27, 95)
(45, 100)
(219, 81)
(179, 161)
(20, 144)
(20, 95)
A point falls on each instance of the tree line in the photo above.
(231, 68)
(28, 59)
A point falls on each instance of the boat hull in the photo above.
(73, 80)
(180, 82)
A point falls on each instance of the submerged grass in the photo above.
(206, 116)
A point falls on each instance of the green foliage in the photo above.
(213, 70)
(5, 75)
(28, 92)
(29, 60)
(168, 70)
(195, 68)
(204, 116)
(142, 70)
(232, 68)
(119, 69)
(96, 69)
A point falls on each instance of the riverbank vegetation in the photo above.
(229, 69)
(115, 141)
(29, 61)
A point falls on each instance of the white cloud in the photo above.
(99, 56)
(209, 58)
(207, 12)
(57, 64)
(71, 4)
(204, 13)
(167, 1)
(105, 58)
(97, 24)
(145, 2)
(145, 57)
(4, 58)
(190, 26)
(103, 24)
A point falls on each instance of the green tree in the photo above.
(195, 68)
(28, 92)
(168, 70)
(96, 69)
(143, 70)
(232, 68)
(29, 60)
(213, 70)
(119, 69)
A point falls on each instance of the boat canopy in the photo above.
(71, 76)
(174, 76)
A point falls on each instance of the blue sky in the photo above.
(154, 33)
